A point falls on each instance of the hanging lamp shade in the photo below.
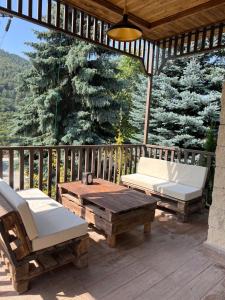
(124, 31)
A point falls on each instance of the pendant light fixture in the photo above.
(124, 31)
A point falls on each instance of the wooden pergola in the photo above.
(171, 28)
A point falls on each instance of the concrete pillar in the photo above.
(216, 231)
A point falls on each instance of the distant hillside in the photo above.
(11, 66)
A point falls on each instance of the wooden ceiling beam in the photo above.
(187, 12)
(116, 9)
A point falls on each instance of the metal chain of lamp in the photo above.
(124, 31)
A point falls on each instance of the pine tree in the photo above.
(70, 93)
(132, 100)
(138, 110)
(185, 105)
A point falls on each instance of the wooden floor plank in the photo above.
(170, 264)
(200, 285)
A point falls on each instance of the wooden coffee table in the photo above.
(109, 207)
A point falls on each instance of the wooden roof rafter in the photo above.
(81, 19)
(77, 23)
(200, 40)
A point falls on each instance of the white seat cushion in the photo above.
(179, 191)
(172, 189)
(143, 181)
(171, 171)
(56, 226)
(19, 204)
(38, 201)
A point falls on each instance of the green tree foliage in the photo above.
(10, 68)
(132, 97)
(71, 93)
(185, 104)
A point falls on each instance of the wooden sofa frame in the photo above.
(18, 259)
(182, 208)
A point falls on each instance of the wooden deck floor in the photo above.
(170, 264)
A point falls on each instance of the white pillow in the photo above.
(19, 204)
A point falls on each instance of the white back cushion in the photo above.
(171, 171)
(19, 204)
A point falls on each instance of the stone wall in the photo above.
(216, 232)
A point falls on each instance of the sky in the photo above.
(19, 32)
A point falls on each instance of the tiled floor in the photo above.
(170, 264)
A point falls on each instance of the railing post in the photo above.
(149, 97)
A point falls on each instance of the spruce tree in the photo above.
(185, 105)
(71, 93)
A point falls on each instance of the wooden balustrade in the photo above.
(45, 166)
(186, 156)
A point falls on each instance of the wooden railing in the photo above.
(45, 166)
(186, 156)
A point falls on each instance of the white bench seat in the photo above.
(145, 181)
(55, 224)
(171, 189)
(46, 221)
(179, 191)
(179, 185)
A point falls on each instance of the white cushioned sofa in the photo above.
(47, 224)
(178, 186)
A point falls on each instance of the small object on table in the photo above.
(87, 178)
(108, 206)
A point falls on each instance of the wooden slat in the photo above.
(39, 10)
(30, 8)
(58, 158)
(9, 4)
(72, 167)
(211, 38)
(21, 169)
(81, 27)
(49, 12)
(88, 27)
(105, 164)
(1, 163)
(86, 160)
(57, 171)
(93, 158)
(99, 162)
(40, 169)
(196, 41)
(20, 6)
(204, 39)
(11, 168)
(49, 183)
(80, 164)
(220, 34)
(115, 165)
(186, 12)
(65, 21)
(57, 14)
(31, 168)
(74, 20)
(189, 42)
(125, 160)
(110, 164)
(65, 165)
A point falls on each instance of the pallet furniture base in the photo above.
(21, 262)
(114, 209)
(182, 208)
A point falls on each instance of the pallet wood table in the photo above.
(108, 206)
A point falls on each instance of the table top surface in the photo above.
(113, 197)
